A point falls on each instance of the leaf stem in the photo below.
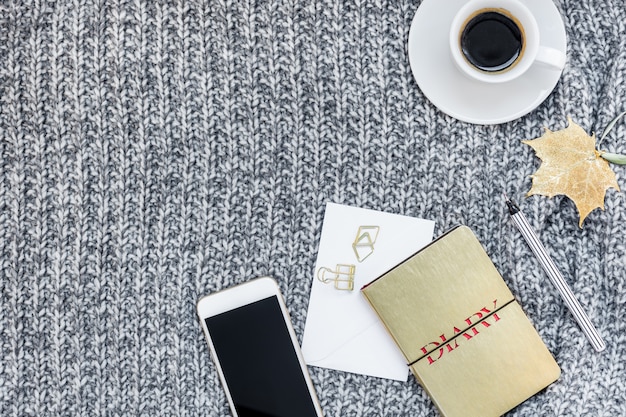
(615, 158)
(610, 126)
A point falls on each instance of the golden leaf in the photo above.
(572, 166)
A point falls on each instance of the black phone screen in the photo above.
(259, 362)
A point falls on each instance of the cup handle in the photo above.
(550, 57)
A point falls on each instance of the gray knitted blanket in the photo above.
(152, 152)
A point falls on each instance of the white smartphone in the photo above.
(255, 350)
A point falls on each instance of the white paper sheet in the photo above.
(342, 331)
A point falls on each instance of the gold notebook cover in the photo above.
(465, 338)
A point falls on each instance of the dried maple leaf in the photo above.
(572, 166)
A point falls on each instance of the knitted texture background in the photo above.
(152, 152)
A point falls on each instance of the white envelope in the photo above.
(342, 331)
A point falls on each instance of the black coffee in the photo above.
(492, 41)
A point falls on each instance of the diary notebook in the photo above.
(465, 338)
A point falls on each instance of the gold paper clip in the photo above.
(363, 245)
(343, 276)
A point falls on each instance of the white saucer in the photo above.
(467, 99)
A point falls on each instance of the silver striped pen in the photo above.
(555, 276)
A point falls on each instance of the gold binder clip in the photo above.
(343, 276)
(363, 245)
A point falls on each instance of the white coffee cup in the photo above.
(531, 51)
